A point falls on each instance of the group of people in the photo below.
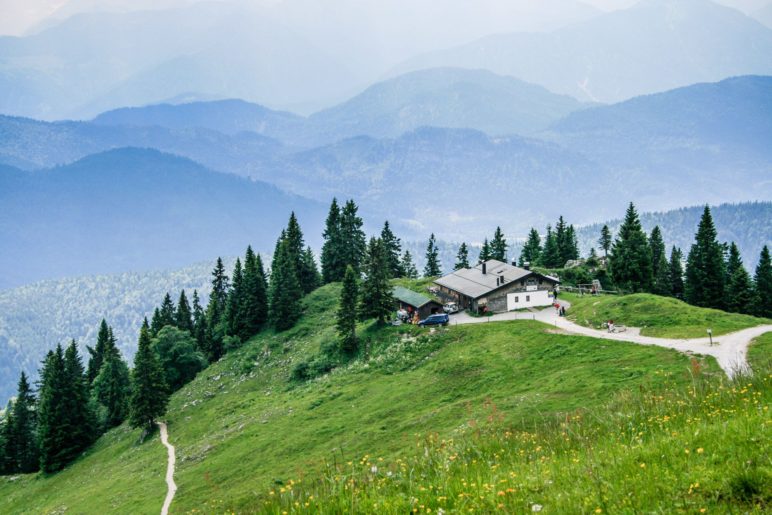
(409, 316)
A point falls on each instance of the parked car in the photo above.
(450, 308)
(436, 319)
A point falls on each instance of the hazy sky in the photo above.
(19, 16)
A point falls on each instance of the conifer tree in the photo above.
(80, 417)
(23, 429)
(332, 257)
(216, 322)
(676, 271)
(293, 235)
(7, 453)
(285, 291)
(156, 322)
(182, 317)
(561, 241)
(255, 302)
(498, 246)
(112, 386)
(97, 353)
(393, 247)
(149, 392)
(630, 259)
(739, 290)
(660, 268)
(308, 274)
(550, 256)
(763, 285)
(462, 257)
(179, 358)
(347, 313)
(605, 240)
(485, 251)
(432, 267)
(377, 300)
(53, 419)
(352, 238)
(235, 301)
(531, 252)
(411, 272)
(167, 311)
(705, 268)
(200, 329)
(571, 244)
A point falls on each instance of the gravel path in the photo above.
(729, 349)
(171, 485)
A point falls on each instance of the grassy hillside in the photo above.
(656, 316)
(760, 353)
(242, 428)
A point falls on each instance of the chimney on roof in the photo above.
(514, 262)
(484, 268)
(527, 265)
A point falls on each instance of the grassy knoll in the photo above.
(656, 316)
(242, 428)
(760, 352)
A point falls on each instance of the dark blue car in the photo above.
(436, 319)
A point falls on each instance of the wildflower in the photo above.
(501, 493)
(700, 450)
(643, 465)
(536, 507)
(374, 469)
(598, 510)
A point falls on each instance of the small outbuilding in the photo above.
(497, 287)
(412, 301)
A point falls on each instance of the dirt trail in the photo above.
(171, 485)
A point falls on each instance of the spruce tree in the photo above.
(293, 236)
(23, 429)
(462, 257)
(200, 329)
(112, 386)
(352, 238)
(630, 259)
(308, 275)
(739, 290)
(255, 302)
(571, 244)
(411, 272)
(81, 420)
(216, 322)
(167, 311)
(605, 240)
(182, 317)
(531, 252)
(485, 251)
(285, 291)
(377, 300)
(676, 270)
(149, 392)
(97, 353)
(53, 419)
(156, 322)
(498, 246)
(347, 313)
(7, 453)
(561, 241)
(705, 269)
(393, 248)
(763, 285)
(550, 256)
(332, 258)
(432, 267)
(660, 268)
(235, 301)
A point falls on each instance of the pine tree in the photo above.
(332, 258)
(462, 258)
(605, 240)
(705, 269)
(739, 290)
(81, 420)
(53, 420)
(377, 301)
(660, 268)
(149, 392)
(485, 251)
(7, 452)
(498, 246)
(676, 270)
(352, 238)
(23, 429)
(97, 353)
(308, 274)
(216, 322)
(167, 311)
(763, 285)
(630, 259)
(550, 256)
(411, 272)
(561, 241)
(255, 301)
(200, 329)
(347, 313)
(156, 322)
(235, 301)
(285, 291)
(592, 258)
(393, 248)
(432, 267)
(531, 253)
(182, 317)
(571, 244)
(112, 386)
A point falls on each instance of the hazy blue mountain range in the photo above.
(134, 209)
(653, 46)
(764, 15)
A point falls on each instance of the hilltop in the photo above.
(243, 427)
